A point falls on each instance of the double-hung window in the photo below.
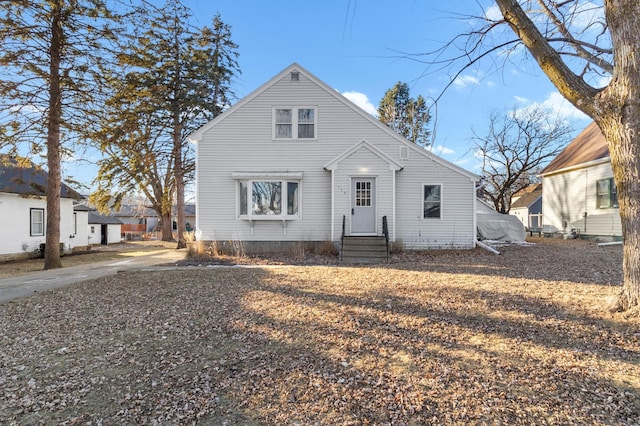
(269, 198)
(432, 201)
(37, 222)
(606, 194)
(295, 123)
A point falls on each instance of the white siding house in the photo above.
(295, 159)
(23, 209)
(578, 189)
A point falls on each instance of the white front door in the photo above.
(363, 206)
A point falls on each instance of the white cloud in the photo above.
(521, 100)
(557, 103)
(465, 81)
(441, 150)
(493, 13)
(362, 101)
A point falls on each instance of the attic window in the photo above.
(295, 76)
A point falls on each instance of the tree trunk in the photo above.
(624, 149)
(54, 181)
(167, 226)
(616, 110)
(179, 175)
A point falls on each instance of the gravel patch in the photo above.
(463, 337)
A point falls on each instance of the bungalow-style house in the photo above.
(104, 229)
(295, 161)
(579, 192)
(526, 205)
(23, 209)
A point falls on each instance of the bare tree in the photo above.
(587, 49)
(517, 144)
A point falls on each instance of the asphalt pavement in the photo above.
(28, 284)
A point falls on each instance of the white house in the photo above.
(104, 229)
(295, 161)
(526, 205)
(23, 209)
(578, 189)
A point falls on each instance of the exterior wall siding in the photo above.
(17, 241)
(569, 201)
(242, 142)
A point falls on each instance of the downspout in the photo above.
(393, 220)
(475, 214)
(333, 204)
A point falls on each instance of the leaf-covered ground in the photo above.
(431, 338)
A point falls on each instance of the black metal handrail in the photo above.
(385, 231)
(344, 227)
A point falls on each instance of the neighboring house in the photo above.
(295, 161)
(579, 191)
(137, 220)
(104, 229)
(526, 205)
(81, 226)
(23, 209)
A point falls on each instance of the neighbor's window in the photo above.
(294, 123)
(268, 198)
(432, 201)
(37, 222)
(606, 194)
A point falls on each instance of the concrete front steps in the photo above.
(369, 250)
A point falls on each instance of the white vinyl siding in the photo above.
(244, 140)
(569, 202)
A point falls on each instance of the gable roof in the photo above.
(587, 147)
(17, 178)
(100, 219)
(393, 164)
(528, 198)
(294, 67)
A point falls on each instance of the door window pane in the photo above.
(363, 194)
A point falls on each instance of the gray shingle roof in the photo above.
(20, 179)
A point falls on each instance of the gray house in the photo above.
(295, 161)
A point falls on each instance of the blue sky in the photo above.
(362, 48)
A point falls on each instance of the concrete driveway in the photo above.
(25, 285)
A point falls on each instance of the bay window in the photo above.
(268, 198)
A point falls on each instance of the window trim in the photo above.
(294, 123)
(284, 198)
(611, 203)
(422, 201)
(31, 222)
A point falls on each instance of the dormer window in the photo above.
(294, 123)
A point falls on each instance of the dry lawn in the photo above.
(431, 338)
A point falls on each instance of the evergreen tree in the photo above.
(49, 84)
(174, 78)
(406, 116)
